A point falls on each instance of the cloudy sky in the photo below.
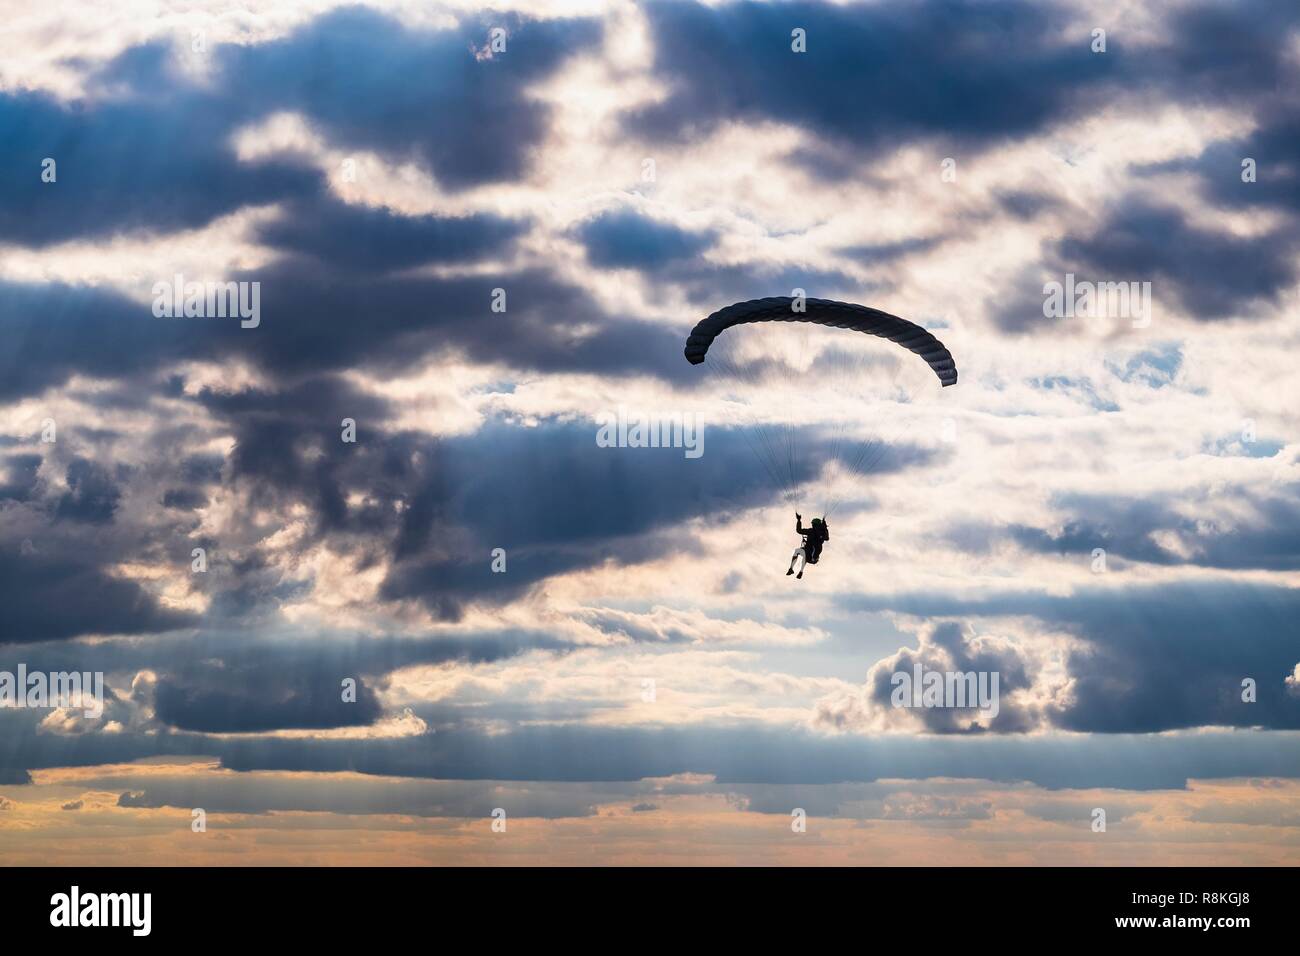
(642, 683)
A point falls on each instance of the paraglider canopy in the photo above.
(840, 315)
(818, 389)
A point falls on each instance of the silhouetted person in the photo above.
(811, 548)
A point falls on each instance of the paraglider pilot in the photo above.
(810, 549)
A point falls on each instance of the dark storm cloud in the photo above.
(291, 440)
(1203, 273)
(201, 469)
(1264, 534)
(972, 74)
(184, 499)
(185, 658)
(1019, 307)
(763, 755)
(555, 501)
(311, 324)
(224, 682)
(1217, 274)
(831, 162)
(876, 253)
(1156, 657)
(61, 544)
(126, 166)
(1244, 55)
(1178, 658)
(734, 755)
(92, 495)
(50, 331)
(1237, 49)
(1236, 56)
(155, 156)
(114, 176)
(875, 77)
(225, 697)
(967, 74)
(1272, 145)
(361, 238)
(20, 476)
(1208, 274)
(1025, 205)
(626, 239)
(50, 597)
(374, 84)
(548, 495)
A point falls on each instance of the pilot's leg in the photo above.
(800, 556)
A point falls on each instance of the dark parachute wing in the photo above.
(840, 315)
